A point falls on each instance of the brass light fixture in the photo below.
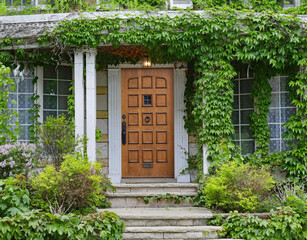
(146, 62)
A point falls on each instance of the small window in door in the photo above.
(147, 100)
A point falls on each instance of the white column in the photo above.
(181, 135)
(39, 88)
(91, 103)
(79, 93)
(114, 119)
(206, 163)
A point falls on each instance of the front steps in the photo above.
(160, 219)
(133, 195)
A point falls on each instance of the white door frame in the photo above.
(114, 122)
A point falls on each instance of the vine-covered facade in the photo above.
(238, 80)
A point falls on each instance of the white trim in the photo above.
(79, 93)
(91, 103)
(39, 72)
(180, 134)
(114, 122)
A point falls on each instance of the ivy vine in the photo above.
(211, 42)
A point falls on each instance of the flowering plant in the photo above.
(17, 158)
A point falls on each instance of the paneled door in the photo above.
(147, 97)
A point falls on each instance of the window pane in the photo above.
(246, 86)
(50, 102)
(49, 113)
(26, 86)
(275, 130)
(13, 97)
(24, 132)
(273, 116)
(246, 133)
(274, 82)
(50, 87)
(283, 83)
(24, 117)
(236, 102)
(64, 87)
(65, 72)
(25, 101)
(274, 145)
(245, 116)
(285, 100)
(236, 87)
(235, 117)
(248, 147)
(63, 103)
(275, 100)
(49, 72)
(246, 101)
(236, 134)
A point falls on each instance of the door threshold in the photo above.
(149, 180)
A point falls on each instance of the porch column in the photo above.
(206, 163)
(79, 93)
(181, 136)
(114, 119)
(91, 103)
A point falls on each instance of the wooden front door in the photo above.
(147, 97)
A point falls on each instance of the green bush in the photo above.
(40, 225)
(77, 187)
(238, 186)
(14, 197)
(58, 138)
(285, 223)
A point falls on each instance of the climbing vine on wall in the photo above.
(212, 41)
(262, 100)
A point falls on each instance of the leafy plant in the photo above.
(57, 136)
(285, 223)
(78, 186)
(18, 158)
(14, 197)
(7, 116)
(40, 225)
(237, 186)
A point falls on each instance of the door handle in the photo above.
(124, 133)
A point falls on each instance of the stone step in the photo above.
(172, 232)
(157, 188)
(149, 217)
(151, 195)
(145, 200)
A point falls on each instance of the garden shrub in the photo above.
(18, 158)
(14, 197)
(58, 138)
(77, 187)
(40, 225)
(238, 186)
(288, 222)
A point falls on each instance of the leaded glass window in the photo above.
(56, 86)
(280, 111)
(242, 108)
(22, 96)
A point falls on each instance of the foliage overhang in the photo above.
(212, 41)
